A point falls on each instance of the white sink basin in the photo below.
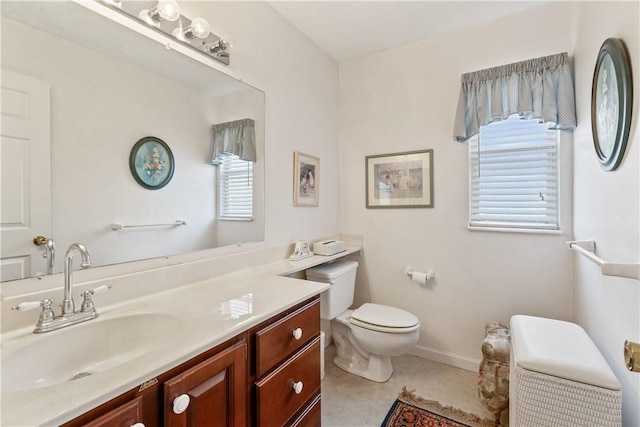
(82, 350)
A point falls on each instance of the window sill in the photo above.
(232, 218)
(515, 230)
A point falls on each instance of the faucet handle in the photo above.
(87, 304)
(98, 290)
(46, 315)
(28, 305)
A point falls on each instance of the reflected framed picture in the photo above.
(151, 163)
(306, 184)
(611, 103)
(400, 180)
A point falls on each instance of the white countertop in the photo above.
(202, 311)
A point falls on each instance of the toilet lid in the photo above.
(378, 315)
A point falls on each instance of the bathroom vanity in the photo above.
(243, 344)
(221, 382)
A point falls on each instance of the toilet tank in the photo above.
(342, 277)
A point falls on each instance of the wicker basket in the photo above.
(542, 400)
(559, 378)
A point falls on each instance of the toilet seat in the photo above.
(383, 318)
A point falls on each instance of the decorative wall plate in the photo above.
(151, 163)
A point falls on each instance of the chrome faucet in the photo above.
(68, 306)
(47, 320)
(50, 255)
(49, 252)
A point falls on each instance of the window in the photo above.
(236, 188)
(513, 176)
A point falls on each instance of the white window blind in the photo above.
(513, 176)
(236, 188)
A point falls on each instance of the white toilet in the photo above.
(366, 337)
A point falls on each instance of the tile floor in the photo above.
(351, 401)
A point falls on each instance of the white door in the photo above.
(25, 175)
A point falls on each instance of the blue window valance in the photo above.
(237, 137)
(540, 88)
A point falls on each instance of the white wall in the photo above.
(301, 87)
(606, 204)
(405, 99)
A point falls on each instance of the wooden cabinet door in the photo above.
(123, 416)
(216, 388)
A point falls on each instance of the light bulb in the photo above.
(167, 10)
(220, 48)
(199, 28)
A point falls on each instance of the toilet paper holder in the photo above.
(419, 277)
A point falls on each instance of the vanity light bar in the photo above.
(194, 34)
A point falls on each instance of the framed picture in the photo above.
(400, 180)
(611, 103)
(306, 184)
(151, 163)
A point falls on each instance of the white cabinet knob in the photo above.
(180, 404)
(297, 387)
(297, 333)
(138, 425)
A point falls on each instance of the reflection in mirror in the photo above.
(86, 89)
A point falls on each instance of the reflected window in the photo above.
(238, 307)
(236, 188)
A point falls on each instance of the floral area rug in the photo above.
(411, 410)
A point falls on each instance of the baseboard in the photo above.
(446, 358)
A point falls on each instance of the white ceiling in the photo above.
(348, 30)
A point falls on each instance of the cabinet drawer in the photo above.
(123, 416)
(276, 398)
(276, 342)
(311, 416)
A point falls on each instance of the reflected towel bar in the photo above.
(177, 223)
(588, 247)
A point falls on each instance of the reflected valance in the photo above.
(237, 137)
(540, 88)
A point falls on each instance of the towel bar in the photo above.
(588, 247)
(116, 226)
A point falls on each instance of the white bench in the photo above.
(559, 378)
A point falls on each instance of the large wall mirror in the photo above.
(88, 89)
